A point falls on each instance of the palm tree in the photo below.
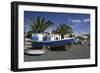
(71, 35)
(63, 29)
(39, 25)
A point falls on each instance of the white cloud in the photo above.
(79, 20)
(86, 20)
(76, 20)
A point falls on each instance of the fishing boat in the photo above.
(40, 41)
(46, 43)
(53, 43)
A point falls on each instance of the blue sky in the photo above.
(80, 23)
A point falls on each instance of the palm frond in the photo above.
(39, 25)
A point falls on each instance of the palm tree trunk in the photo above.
(62, 36)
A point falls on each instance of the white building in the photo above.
(55, 37)
(51, 36)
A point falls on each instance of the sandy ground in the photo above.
(74, 52)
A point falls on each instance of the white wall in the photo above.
(40, 37)
(5, 35)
